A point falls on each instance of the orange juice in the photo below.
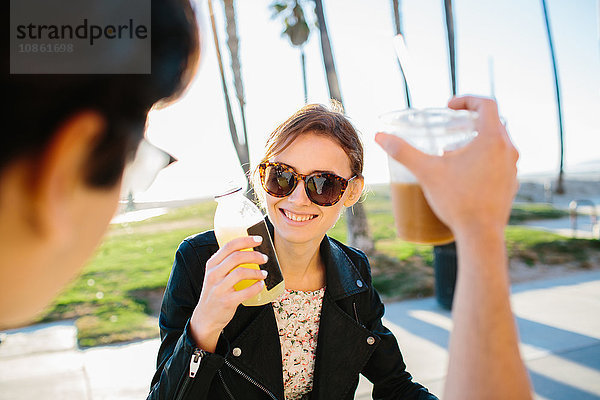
(236, 216)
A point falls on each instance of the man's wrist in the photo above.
(475, 231)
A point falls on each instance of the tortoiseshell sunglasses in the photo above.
(322, 188)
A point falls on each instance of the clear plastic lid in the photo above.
(437, 121)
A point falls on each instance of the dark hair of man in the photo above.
(39, 104)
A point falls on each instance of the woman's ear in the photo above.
(355, 189)
(61, 171)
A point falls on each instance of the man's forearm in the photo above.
(484, 357)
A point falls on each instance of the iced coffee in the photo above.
(433, 131)
(415, 221)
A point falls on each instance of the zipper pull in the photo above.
(195, 362)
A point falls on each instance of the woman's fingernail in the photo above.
(265, 257)
(264, 273)
(257, 239)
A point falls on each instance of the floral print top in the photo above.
(298, 313)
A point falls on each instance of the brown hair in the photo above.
(316, 119)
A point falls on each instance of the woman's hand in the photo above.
(219, 299)
(470, 188)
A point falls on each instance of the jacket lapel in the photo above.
(254, 346)
(344, 345)
(343, 349)
(343, 278)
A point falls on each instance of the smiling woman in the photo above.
(296, 346)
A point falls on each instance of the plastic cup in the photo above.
(433, 131)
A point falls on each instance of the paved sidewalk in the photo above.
(559, 323)
(559, 326)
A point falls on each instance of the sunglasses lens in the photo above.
(324, 189)
(278, 181)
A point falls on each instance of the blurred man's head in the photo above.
(62, 155)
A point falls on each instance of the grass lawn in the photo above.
(115, 298)
(528, 211)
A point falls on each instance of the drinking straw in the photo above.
(403, 60)
(406, 66)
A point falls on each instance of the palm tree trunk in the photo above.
(451, 46)
(303, 62)
(358, 227)
(559, 184)
(328, 62)
(241, 146)
(444, 257)
(398, 25)
(232, 128)
(233, 46)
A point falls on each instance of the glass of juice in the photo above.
(433, 131)
(235, 217)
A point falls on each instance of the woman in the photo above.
(325, 329)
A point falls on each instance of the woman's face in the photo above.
(295, 217)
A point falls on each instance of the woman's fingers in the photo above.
(216, 274)
(241, 243)
(240, 274)
(239, 296)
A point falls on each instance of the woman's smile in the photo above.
(297, 217)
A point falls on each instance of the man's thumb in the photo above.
(401, 151)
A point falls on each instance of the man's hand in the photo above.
(472, 187)
(471, 190)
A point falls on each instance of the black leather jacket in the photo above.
(247, 362)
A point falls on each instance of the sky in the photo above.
(510, 35)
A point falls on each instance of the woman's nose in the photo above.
(298, 196)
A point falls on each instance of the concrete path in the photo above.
(586, 228)
(559, 323)
(559, 326)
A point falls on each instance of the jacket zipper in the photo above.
(249, 379)
(225, 386)
(356, 315)
(194, 365)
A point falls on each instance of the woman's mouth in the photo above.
(297, 217)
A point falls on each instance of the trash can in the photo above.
(445, 268)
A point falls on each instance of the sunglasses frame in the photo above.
(262, 167)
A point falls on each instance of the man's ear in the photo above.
(355, 188)
(61, 171)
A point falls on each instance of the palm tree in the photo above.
(296, 29)
(451, 46)
(445, 260)
(398, 25)
(358, 228)
(240, 144)
(559, 184)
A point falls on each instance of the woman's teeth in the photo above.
(296, 217)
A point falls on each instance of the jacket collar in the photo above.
(342, 276)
